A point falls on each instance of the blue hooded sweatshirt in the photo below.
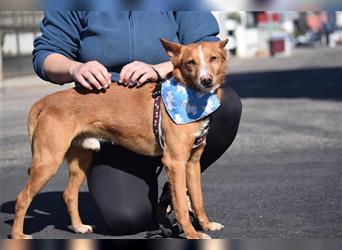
(117, 38)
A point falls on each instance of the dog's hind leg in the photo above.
(49, 149)
(193, 182)
(41, 171)
(79, 160)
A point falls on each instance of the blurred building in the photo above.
(17, 31)
(261, 33)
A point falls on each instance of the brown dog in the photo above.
(67, 124)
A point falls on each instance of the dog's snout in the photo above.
(206, 81)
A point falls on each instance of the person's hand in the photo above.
(91, 74)
(137, 73)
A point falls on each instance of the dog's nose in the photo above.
(206, 81)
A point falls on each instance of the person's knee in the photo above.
(126, 221)
(227, 118)
(232, 105)
(223, 128)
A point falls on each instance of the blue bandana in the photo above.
(185, 105)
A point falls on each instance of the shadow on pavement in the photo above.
(314, 83)
(49, 209)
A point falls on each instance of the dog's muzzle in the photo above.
(206, 81)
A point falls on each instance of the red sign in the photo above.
(264, 17)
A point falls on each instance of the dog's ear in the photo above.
(172, 49)
(223, 43)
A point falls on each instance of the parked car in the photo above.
(309, 39)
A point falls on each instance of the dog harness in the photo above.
(183, 105)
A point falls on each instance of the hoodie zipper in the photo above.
(131, 37)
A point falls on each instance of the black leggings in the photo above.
(124, 185)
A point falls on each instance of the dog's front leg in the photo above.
(175, 167)
(193, 182)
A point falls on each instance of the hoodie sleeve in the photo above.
(60, 34)
(196, 26)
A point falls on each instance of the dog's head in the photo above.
(201, 66)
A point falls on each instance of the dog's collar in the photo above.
(185, 105)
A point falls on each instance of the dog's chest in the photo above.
(203, 128)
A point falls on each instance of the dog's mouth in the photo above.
(205, 88)
(206, 83)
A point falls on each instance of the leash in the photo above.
(156, 121)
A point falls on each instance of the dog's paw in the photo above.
(21, 237)
(27, 237)
(212, 226)
(203, 236)
(83, 229)
(197, 236)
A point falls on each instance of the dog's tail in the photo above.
(32, 118)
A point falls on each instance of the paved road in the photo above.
(280, 179)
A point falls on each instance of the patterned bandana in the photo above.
(185, 105)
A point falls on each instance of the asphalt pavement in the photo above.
(280, 179)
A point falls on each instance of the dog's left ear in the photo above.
(172, 49)
(223, 43)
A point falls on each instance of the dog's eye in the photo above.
(213, 59)
(191, 62)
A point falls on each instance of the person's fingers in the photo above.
(104, 72)
(132, 84)
(99, 77)
(124, 70)
(80, 79)
(90, 78)
(124, 83)
(129, 69)
(142, 80)
(138, 73)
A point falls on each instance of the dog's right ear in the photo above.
(172, 49)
